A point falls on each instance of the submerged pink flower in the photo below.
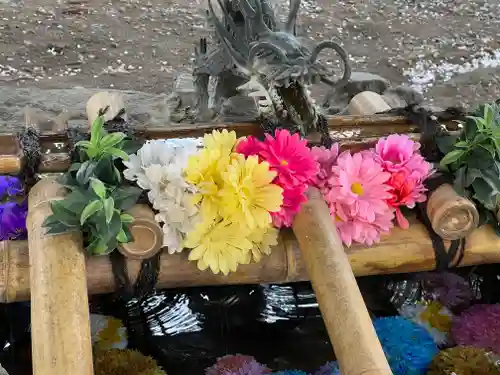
(354, 228)
(292, 200)
(237, 365)
(326, 158)
(359, 182)
(399, 151)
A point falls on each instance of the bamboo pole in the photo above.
(344, 312)
(60, 328)
(402, 251)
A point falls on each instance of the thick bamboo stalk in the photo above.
(344, 312)
(402, 251)
(60, 328)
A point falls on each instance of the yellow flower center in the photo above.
(284, 162)
(338, 218)
(357, 188)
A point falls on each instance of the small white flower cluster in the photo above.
(157, 167)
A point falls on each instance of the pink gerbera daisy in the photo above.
(248, 146)
(359, 182)
(399, 151)
(326, 158)
(354, 228)
(292, 200)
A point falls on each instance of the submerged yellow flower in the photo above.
(220, 246)
(248, 194)
(262, 240)
(223, 141)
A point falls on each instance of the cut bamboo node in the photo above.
(148, 236)
(101, 100)
(452, 217)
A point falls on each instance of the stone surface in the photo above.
(142, 108)
(367, 103)
(402, 96)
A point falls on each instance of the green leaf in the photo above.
(488, 147)
(480, 138)
(126, 218)
(126, 196)
(111, 140)
(478, 158)
(84, 144)
(130, 146)
(471, 175)
(470, 129)
(62, 214)
(488, 115)
(98, 187)
(74, 167)
(90, 210)
(116, 152)
(452, 157)
(122, 237)
(480, 123)
(446, 143)
(492, 179)
(460, 179)
(117, 174)
(98, 247)
(96, 129)
(85, 172)
(483, 193)
(109, 209)
(462, 144)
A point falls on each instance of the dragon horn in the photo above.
(266, 45)
(343, 57)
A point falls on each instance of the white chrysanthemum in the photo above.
(158, 167)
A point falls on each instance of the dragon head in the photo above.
(278, 65)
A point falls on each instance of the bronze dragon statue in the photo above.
(256, 55)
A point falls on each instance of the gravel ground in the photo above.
(450, 49)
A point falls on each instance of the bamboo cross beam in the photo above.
(344, 312)
(403, 251)
(363, 132)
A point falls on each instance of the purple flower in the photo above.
(10, 186)
(449, 289)
(237, 365)
(478, 326)
(329, 368)
(13, 221)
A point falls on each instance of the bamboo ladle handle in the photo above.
(346, 318)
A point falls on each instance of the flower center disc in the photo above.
(357, 188)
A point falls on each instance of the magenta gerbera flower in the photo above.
(359, 182)
(292, 200)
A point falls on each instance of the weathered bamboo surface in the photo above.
(344, 312)
(60, 327)
(358, 132)
(403, 251)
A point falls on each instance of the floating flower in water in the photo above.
(237, 365)
(248, 193)
(13, 209)
(409, 348)
(107, 332)
(360, 183)
(450, 289)
(432, 316)
(478, 326)
(219, 246)
(463, 360)
(329, 368)
(124, 362)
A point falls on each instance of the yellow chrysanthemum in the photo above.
(248, 194)
(220, 246)
(223, 141)
(262, 240)
(204, 170)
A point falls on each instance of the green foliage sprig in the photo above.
(474, 156)
(97, 196)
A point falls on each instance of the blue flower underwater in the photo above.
(12, 213)
(329, 368)
(409, 347)
(289, 372)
